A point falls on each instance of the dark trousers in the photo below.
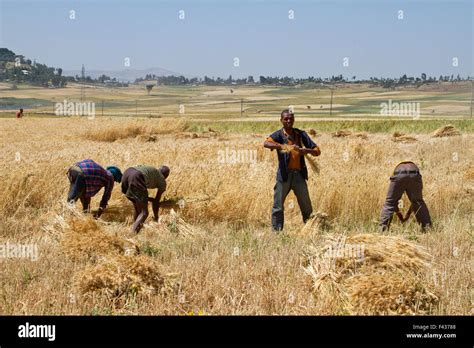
(77, 185)
(412, 184)
(297, 183)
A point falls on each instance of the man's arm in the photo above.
(407, 215)
(310, 146)
(400, 216)
(272, 145)
(273, 142)
(109, 185)
(315, 151)
(77, 186)
(156, 204)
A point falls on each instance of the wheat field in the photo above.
(213, 251)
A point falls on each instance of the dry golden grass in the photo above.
(218, 246)
(132, 129)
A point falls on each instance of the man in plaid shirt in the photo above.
(87, 178)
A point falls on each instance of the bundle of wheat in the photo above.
(120, 275)
(373, 274)
(319, 221)
(312, 132)
(341, 133)
(445, 131)
(86, 239)
(388, 293)
(286, 148)
(173, 223)
(313, 164)
(362, 135)
(399, 137)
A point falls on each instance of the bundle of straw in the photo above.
(446, 131)
(372, 274)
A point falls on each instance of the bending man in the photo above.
(87, 178)
(135, 185)
(406, 178)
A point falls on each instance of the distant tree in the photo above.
(250, 79)
(7, 55)
(423, 76)
(149, 87)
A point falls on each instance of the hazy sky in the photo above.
(259, 33)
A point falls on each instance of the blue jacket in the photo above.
(302, 138)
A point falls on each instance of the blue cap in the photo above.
(117, 174)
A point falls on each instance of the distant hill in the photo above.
(125, 75)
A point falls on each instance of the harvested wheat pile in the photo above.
(120, 275)
(372, 274)
(399, 137)
(341, 133)
(445, 131)
(173, 223)
(362, 135)
(312, 132)
(85, 239)
(393, 293)
(319, 221)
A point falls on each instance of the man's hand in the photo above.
(304, 151)
(400, 216)
(301, 150)
(316, 151)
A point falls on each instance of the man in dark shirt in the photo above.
(292, 171)
(135, 185)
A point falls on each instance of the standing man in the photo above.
(406, 178)
(87, 178)
(135, 184)
(19, 114)
(292, 172)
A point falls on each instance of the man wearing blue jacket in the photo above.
(292, 171)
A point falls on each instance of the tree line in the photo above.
(403, 80)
